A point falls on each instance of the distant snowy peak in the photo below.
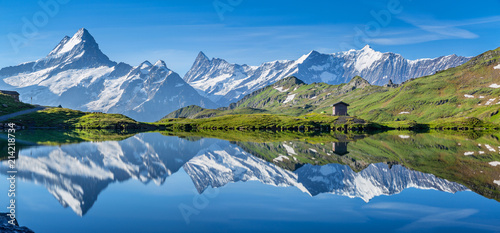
(225, 82)
(145, 67)
(76, 52)
(148, 70)
(76, 74)
(58, 49)
(160, 64)
(202, 57)
(68, 44)
(366, 58)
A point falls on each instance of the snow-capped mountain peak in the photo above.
(225, 83)
(202, 57)
(160, 64)
(77, 42)
(367, 48)
(366, 58)
(145, 66)
(308, 56)
(76, 74)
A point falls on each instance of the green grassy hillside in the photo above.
(9, 105)
(67, 118)
(448, 97)
(307, 122)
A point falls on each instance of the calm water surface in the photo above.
(149, 182)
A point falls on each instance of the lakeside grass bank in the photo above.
(62, 118)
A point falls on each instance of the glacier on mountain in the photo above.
(77, 75)
(224, 82)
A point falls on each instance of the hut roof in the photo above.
(338, 103)
(9, 92)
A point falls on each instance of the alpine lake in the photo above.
(255, 181)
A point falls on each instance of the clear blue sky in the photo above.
(250, 31)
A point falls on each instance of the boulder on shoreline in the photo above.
(5, 226)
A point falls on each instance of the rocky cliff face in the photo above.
(7, 227)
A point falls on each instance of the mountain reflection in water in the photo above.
(75, 174)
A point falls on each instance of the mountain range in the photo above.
(224, 83)
(77, 74)
(459, 94)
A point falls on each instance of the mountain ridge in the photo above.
(225, 82)
(469, 90)
(77, 74)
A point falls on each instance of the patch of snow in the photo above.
(289, 149)
(404, 113)
(404, 136)
(490, 148)
(494, 85)
(313, 150)
(280, 89)
(481, 152)
(497, 182)
(494, 163)
(314, 97)
(490, 101)
(468, 96)
(289, 98)
(469, 153)
(481, 97)
(280, 158)
(497, 67)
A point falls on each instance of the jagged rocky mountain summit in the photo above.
(224, 82)
(76, 74)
